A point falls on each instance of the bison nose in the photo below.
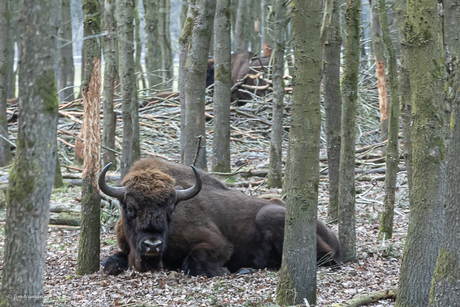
(150, 246)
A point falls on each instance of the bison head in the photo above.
(148, 198)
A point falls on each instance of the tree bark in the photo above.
(377, 48)
(386, 220)
(427, 197)
(255, 24)
(195, 82)
(405, 91)
(65, 88)
(89, 242)
(347, 233)
(444, 286)
(31, 178)
(5, 147)
(275, 177)
(333, 104)
(269, 15)
(153, 47)
(222, 85)
(184, 41)
(110, 75)
(125, 26)
(298, 269)
(13, 38)
(137, 34)
(165, 45)
(238, 36)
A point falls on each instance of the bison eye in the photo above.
(130, 211)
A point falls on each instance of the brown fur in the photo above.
(218, 228)
(242, 63)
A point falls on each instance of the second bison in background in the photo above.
(213, 228)
(244, 65)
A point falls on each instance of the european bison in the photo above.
(213, 227)
(242, 64)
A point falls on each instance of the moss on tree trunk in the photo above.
(195, 82)
(31, 177)
(347, 233)
(89, 241)
(298, 269)
(222, 84)
(386, 220)
(333, 104)
(427, 197)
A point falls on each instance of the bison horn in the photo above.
(110, 191)
(193, 191)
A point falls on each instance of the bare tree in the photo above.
(195, 81)
(65, 88)
(110, 47)
(238, 35)
(31, 178)
(427, 197)
(347, 233)
(5, 147)
(298, 269)
(130, 109)
(154, 58)
(275, 174)
(386, 221)
(13, 38)
(89, 242)
(444, 286)
(222, 84)
(377, 49)
(332, 100)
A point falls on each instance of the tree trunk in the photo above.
(66, 64)
(427, 198)
(255, 24)
(444, 286)
(195, 82)
(238, 36)
(89, 243)
(377, 48)
(13, 37)
(405, 91)
(153, 47)
(184, 41)
(298, 269)
(333, 104)
(386, 220)
(183, 13)
(137, 36)
(5, 147)
(125, 13)
(58, 182)
(110, 75)
(31, 178)
(165, 45)
(275, 176)
(222, 85)
(347, 233)
(269, 15)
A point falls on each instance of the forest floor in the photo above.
(376, 268)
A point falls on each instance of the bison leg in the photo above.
(206, 259)
(118, 262)
(270, 221)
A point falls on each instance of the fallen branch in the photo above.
(368, 298)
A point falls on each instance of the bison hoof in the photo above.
(115, 265)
